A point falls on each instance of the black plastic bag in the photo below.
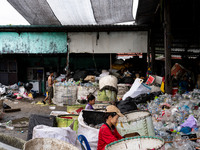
(126, 105)
(5, 106)
(80, 75)
(93, 117)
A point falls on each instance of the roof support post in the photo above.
(110, 61)
(153, 55)
(148, 50)
(167, 45)
(67, 62)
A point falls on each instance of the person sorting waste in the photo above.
(108, 133)
(50, 88)
(91, 101)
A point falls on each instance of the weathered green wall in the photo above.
(33, 42)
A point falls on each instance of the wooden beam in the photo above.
(110, 61)
(148, 49)
(167, 45)
(12, 110)
(153, 55)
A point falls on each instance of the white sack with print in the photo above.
(136, 89)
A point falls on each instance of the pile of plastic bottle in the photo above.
(175, 117)
(71, 82)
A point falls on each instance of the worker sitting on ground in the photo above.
(108, 133)
(91, 101)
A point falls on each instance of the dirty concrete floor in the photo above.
(28, 107)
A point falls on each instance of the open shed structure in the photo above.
(174, 31)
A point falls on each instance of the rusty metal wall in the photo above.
(33, 42)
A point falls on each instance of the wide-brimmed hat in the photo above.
(112, 108)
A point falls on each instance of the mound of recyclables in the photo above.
(138, 93)
(6, 89)
(176, 117)
(134, 121)
(17, 91)
(72, 92)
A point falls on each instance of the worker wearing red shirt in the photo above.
(108, 133)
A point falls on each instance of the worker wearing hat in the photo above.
(108, 133)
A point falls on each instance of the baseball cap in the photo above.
(112, 108)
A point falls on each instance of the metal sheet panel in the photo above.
(33, 43)
(108, 42)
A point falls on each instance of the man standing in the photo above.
(50, 88)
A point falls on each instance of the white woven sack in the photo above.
(136, 89)
(83, 92)
(109, 80)
(90, 133)
(65, 134)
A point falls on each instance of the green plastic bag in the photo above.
(106, 95)
(65, 122)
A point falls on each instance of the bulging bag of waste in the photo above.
(143, 98)
(107, 95)
(48, 144)
(80, 75)
(90, 133)
(127, 105)
(14, 87)
(64, 134)
(2, 90)
(83, 91)
(137, 88)
(109, 80)
(102, 96)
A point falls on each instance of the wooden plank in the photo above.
(12, 110)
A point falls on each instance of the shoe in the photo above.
(44, 102)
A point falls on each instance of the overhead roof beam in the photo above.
(74, 28)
